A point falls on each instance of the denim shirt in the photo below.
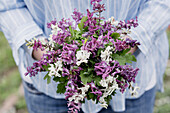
(22, 20)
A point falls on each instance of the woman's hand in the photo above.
(132, 50)
(38, 54)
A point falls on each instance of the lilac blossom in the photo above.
(68, 53)
(53, 22)
(103, 69)
(128, 24)
(95, 90)
(64, 24)
(38, 44)
(132, 43)
(97, 6)
(91, 45)
(120, 45)
(77, 16)
(60, 37)
(71, 53)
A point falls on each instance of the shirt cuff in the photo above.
(142, 35)
(25, 32)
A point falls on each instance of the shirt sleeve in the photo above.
(153, 19)
(17, 24)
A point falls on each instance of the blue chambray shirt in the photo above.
(22, 20)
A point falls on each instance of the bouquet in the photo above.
(88, 57)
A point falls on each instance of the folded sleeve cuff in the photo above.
(25, 32)
(143, 35)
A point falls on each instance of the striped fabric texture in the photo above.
(22, 20)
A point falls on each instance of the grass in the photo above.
(21, 106)
(9, 85)
(168, 34)
(10, 79)
(6, 59)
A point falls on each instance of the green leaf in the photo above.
(108, 98)
(95, 35)
(60, 79)
(91, 96)
(90, 70)
(89, 76)
(108, 44)
(118, 58)
(48, 78)
(86, 73)
(79, 35)
(61, 88)
(125, 51)
(92, 61)
(115, 35)
(97, 79)
(86, 78)
(81, 24)
(123, 59)
(99, 51)
(71, 31)
(46, 67)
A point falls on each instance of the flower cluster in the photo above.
(90, 62)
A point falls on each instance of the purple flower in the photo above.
(68, 53)
(120, 45)
(60, 37)
(92, 45)
(97, 38)
(95, 90)
(52, 22)
(38, 44)
(97, 6)
(74, 107)
(71, 89)
(128, 24)
(64, 24)
(102, 69)
(132, 43)
(77, 16)
(92, 1)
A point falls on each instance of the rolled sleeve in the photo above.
(25, 32)
(153, 19)
(17, 24)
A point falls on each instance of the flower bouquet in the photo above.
(87, 57)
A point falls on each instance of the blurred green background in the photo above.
(11, 92)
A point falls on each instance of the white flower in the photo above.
(112, 88)
(51, 41)
(31, 43)
(105, 55)
(82, 56)
(76, 98)
(103, 103)
(133, 91)
(110, 85)
(52, 70)
(106, 83)
(113, 22)
(122, 35)
(103, 83)
(55, 68)
(55, 29)
(84, 89)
